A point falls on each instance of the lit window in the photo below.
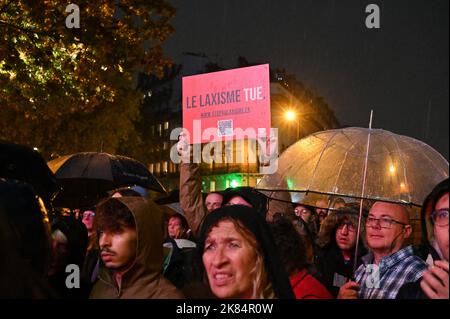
(165, 145)
(165, 166)
(212, 186)
(157, 168)
(166, 125)
(151, 168)
(160, 129)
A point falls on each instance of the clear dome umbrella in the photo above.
(362, 163)
(400, 169)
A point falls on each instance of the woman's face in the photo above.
(175, 228)
(229, 260)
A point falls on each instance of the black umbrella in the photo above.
(25, 164)
(87, 177)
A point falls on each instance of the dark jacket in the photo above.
(332, 269)
(77, 238)
(24, 243)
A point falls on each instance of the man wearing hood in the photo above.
(335, 257)
(131, 236)
(435, 249)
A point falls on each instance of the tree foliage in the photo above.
(68, 90)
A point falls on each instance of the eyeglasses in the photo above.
(88, 214)
(302, 211)
(384, 222)
(440, 217)
(350, 226)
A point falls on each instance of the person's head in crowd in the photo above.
(131, 234)
(338, 202)
(321, 209)
(435, 283)
(239, 256)
(117, 239)
(88, 217)
(304, 212)
(29, 220)
(435, 220)
(246, 196)
(340, 228)
(177, 226)
(24, 242)
(293, 253)
(69, 244)
(289, 244)
(387, 228)
(213, 201)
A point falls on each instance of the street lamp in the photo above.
(291, 116)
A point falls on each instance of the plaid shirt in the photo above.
(384, 281)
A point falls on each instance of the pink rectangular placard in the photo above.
(221, 105)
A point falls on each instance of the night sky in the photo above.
(400, 70)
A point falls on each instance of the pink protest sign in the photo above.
(221, 105)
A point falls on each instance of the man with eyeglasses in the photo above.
(388, 266)
(434, 283)
(305, 220)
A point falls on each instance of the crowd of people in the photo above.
(231, 245)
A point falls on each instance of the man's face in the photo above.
(441, 232)
(322, 209)
(174, 227)
(88, 220)
(303, 212)
(238, 200)
(384, 231)
(346, 236)
(229, 261)
(213, 201)
(118, 248)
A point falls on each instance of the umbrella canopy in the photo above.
(25, 164)
(400, 169)
(86, 177)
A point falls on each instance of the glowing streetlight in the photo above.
(291, 116)
(392, 169)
